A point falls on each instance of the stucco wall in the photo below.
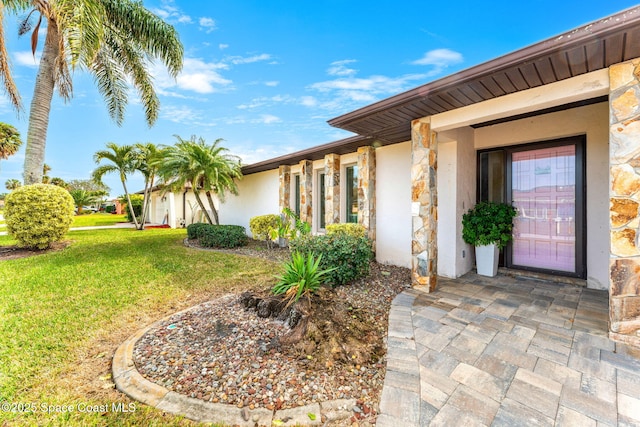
(258, 195)
(456, 194)
(591, 120)
(393, 204)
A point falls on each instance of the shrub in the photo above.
(356, 230)
(488, 222)
(260, 225)
(136, 202)
(110, 209)
(302, 276)
(349, 255)
(194, 231)
(222, 236)
(38, 215)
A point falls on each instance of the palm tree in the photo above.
(82, 198)
(203, 167)
(149, 156)
(10, 140)
(115, 40)
(12, 184)
(45, 173)
(123, 160)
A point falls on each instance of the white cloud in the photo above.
(267, 119)
(196, 75)
(365, 89)
(207, 24)
(439, 59)
(170, 13)
(265, 101)
(223, 46)
(26, 58)
(308, 101)
(248, 60)
(179, 114)
(272, 83)
(338, 68)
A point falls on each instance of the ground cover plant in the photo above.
(64, 313)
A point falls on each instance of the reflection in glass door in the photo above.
(543, 190)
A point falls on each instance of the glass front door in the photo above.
(543, 190)
(545, 183)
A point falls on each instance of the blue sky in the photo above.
(265, 76)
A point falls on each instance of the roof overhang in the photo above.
(343, 146)
(592, 47)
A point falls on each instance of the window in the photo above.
(296, 195)
(321, 199)
(352, 194)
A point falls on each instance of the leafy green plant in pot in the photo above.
(488, 226)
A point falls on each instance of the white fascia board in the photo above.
(578, 88)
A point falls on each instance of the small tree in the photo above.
(82, 198)
(10, 140)
(122, 160)
(12, 184)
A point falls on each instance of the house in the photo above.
(176, 208)
(553, 128)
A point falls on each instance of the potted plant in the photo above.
(488, 226)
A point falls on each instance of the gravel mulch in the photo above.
(222, 353)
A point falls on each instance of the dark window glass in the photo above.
(296, 185)
(352, 194)
(492, 176)
(321, 191)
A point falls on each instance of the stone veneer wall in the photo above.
(367, 190)
(284, 175)
(424, 247)
(332, 188)
(624, 163)
(306, 186)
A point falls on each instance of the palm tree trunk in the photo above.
(213, 207)
(199, 200)
(40, 108)
(148, 185)
(133, 213)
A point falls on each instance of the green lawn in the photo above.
(97, 219)
(64, 313)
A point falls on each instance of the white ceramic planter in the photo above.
(487, 259)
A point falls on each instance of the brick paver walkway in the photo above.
(506, 352)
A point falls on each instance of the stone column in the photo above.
(367, 191)
(424, 250)
(306, 185)
(332, 189)
(284, 173)
(624, 164)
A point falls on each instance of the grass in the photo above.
(95, 219)
(64, 313)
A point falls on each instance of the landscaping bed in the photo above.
(222, 352)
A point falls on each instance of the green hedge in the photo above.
(194, 230)
(218, 236)
(261, 224)
(356, 230)
(349, 255)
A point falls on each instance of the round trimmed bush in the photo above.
(38, 215)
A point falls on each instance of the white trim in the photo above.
(578, 88)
